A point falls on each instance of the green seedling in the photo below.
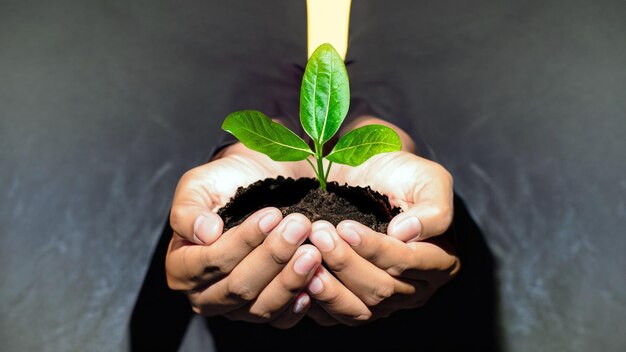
(324, 103)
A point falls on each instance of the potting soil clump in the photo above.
(304, 196)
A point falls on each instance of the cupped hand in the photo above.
(368, 275)
(255, 272)
(420, 187)
(203, 190)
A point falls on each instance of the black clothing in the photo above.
(461, 314)
(105, 103)
(505, 95)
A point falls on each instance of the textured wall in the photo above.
(525, 102)
(103, 104)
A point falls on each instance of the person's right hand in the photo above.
(255, 272)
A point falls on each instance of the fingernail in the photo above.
(302, 301)
(350, 234)
(305, 263)
(316, 286)
(408, 229)
(206, 228)
(268, 221)
(294, 232)
(323, 240)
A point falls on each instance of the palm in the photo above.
(216, 182)
(420, 187)
(398, 175)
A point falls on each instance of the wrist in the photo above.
(408, 145)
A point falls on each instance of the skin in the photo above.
(255, 272)
(260, 272)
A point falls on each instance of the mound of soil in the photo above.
(304, 196)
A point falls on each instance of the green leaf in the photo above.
(258, 132)
(324, 95)
(363, 143)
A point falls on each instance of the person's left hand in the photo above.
(368, 275)
(376, 275)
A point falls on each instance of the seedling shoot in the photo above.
(324, 103)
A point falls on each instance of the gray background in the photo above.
(103, 105)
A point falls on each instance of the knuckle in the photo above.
(241, 291)
(398, 269)
(380, 293)
(177, 214)
(290, 285)
(202, 306)
(363, 317)
(455, 268)
(216, 263)
(196, 309)
(360, 319)
(175, 284)
(278, 255)
(196, 299)
(450, 270)
(339, 261)
(251, 239)
(262, 315)
(330, 297)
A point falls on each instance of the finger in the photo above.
(423, 292)
(287, 285)
(433, 263)
(288, 317)
(196, 224)
(189, 266)
(431, 211)
(336, 299)
(368, 282)
(299, 310)
(415, 260)
(320, 316)
(191, 217)
(258, 269)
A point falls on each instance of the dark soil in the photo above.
(304, 196)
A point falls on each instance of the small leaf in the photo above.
(258, 132)
(363, 143)
(325, 94)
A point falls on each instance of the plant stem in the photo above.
(313, 167)
(320, 168)
(328, 171)
(320, 165)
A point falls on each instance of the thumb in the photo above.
(421, 221)
(196, 224)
